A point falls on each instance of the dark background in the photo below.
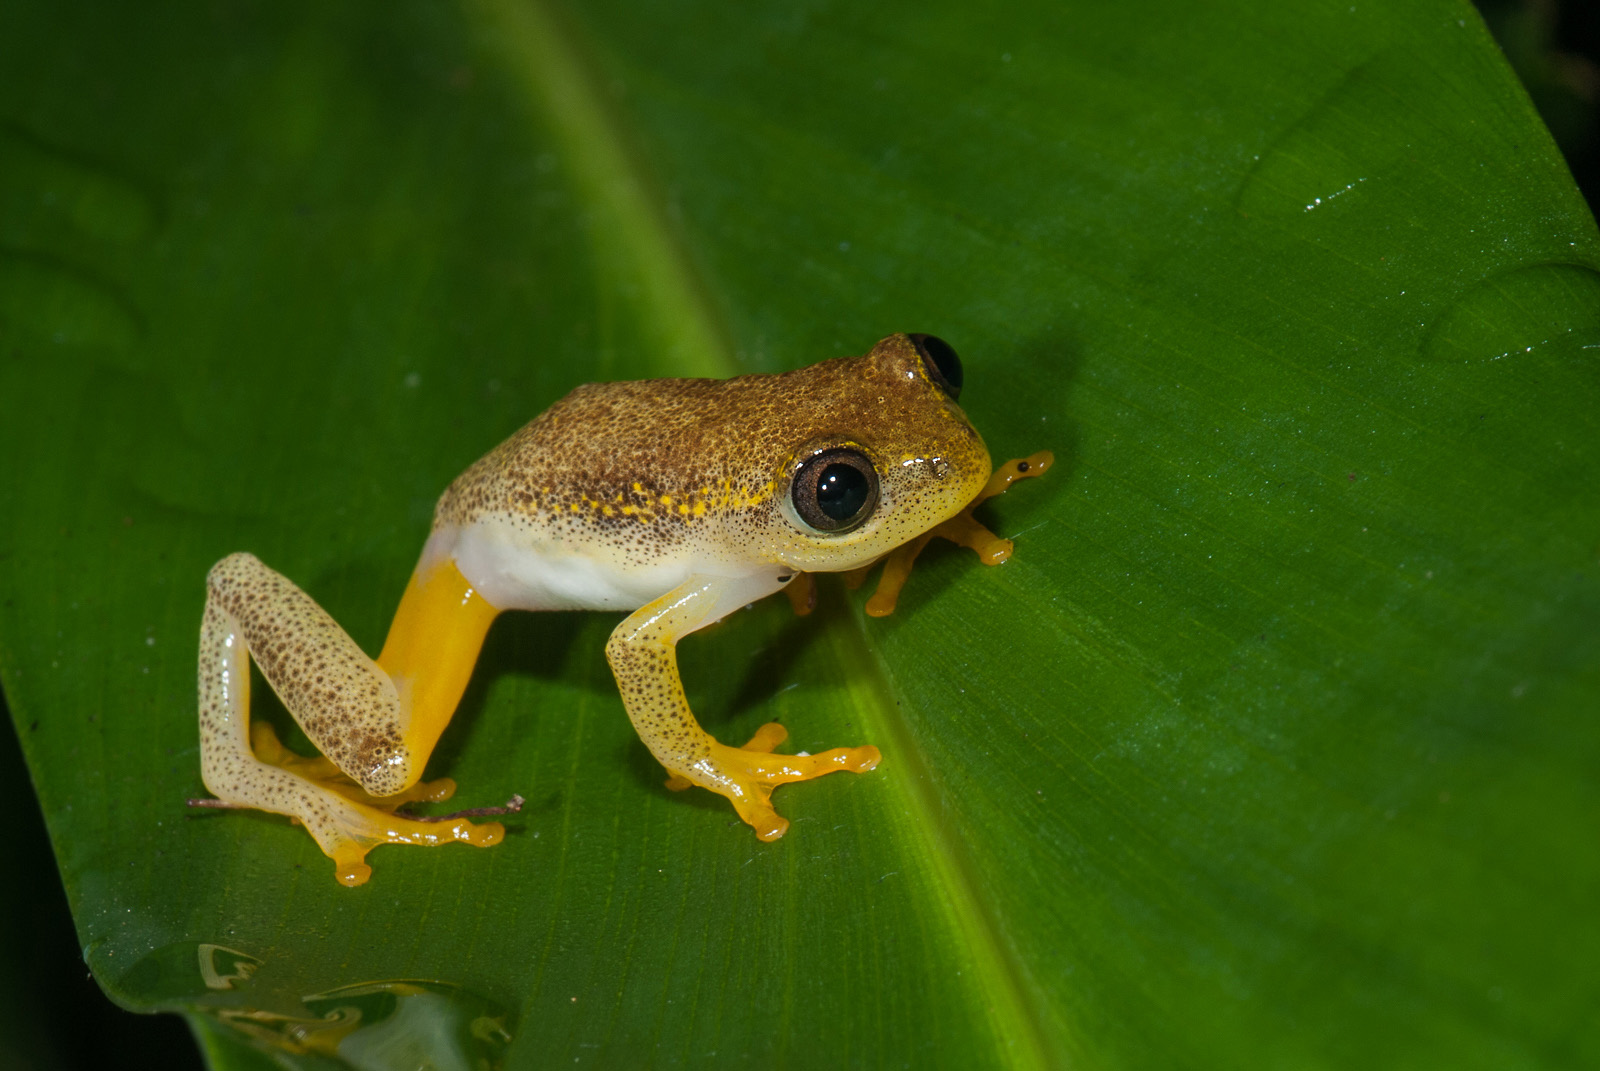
(1554, 46)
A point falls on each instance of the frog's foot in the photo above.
(347, 832)
(747, 775)
(346, 822)
(962, 529)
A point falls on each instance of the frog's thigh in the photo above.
(346, 704)
(232, 773)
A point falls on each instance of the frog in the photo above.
(676, 501)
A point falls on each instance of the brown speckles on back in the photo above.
(647, 461)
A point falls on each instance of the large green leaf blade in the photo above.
(1273, 743)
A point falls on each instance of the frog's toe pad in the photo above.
(352, 871)
(854, 759)
(430, 791)
(768, 824)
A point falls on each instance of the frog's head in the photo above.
(878, 453)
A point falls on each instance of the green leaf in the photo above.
(1273, 745)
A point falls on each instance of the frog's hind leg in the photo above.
(347, 704)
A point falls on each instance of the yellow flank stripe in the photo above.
(697, 504)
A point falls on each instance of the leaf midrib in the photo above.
(1001, 985)
(627, 222)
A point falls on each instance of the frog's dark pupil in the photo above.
(841, 491)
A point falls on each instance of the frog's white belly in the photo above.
(515, 569)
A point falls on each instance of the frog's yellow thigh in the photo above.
(376, 722)
(643, 657)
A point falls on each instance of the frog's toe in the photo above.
(774, 769)
(752, 801)
(858, 759)
(427, 792)
(484, 835)
(352, 870)
(421, 792)
(429, 834)
(767, 737)
(784, 768)
(768, 823)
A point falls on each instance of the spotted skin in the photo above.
(346, 705)
(671, 499)
(344, 702)
(654, 468)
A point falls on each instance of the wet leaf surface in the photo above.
(1274, 744)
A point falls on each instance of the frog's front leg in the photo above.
(643, 656)
(962, 529)
(376, 722)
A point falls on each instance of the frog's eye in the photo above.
(941, 362)
(835, 491)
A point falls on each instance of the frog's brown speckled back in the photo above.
(668, 454)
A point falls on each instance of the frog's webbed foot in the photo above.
(747, 775)
(962, 529)
(346, 821)
(346, 830)
(357, 829)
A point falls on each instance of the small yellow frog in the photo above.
(680, 500)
